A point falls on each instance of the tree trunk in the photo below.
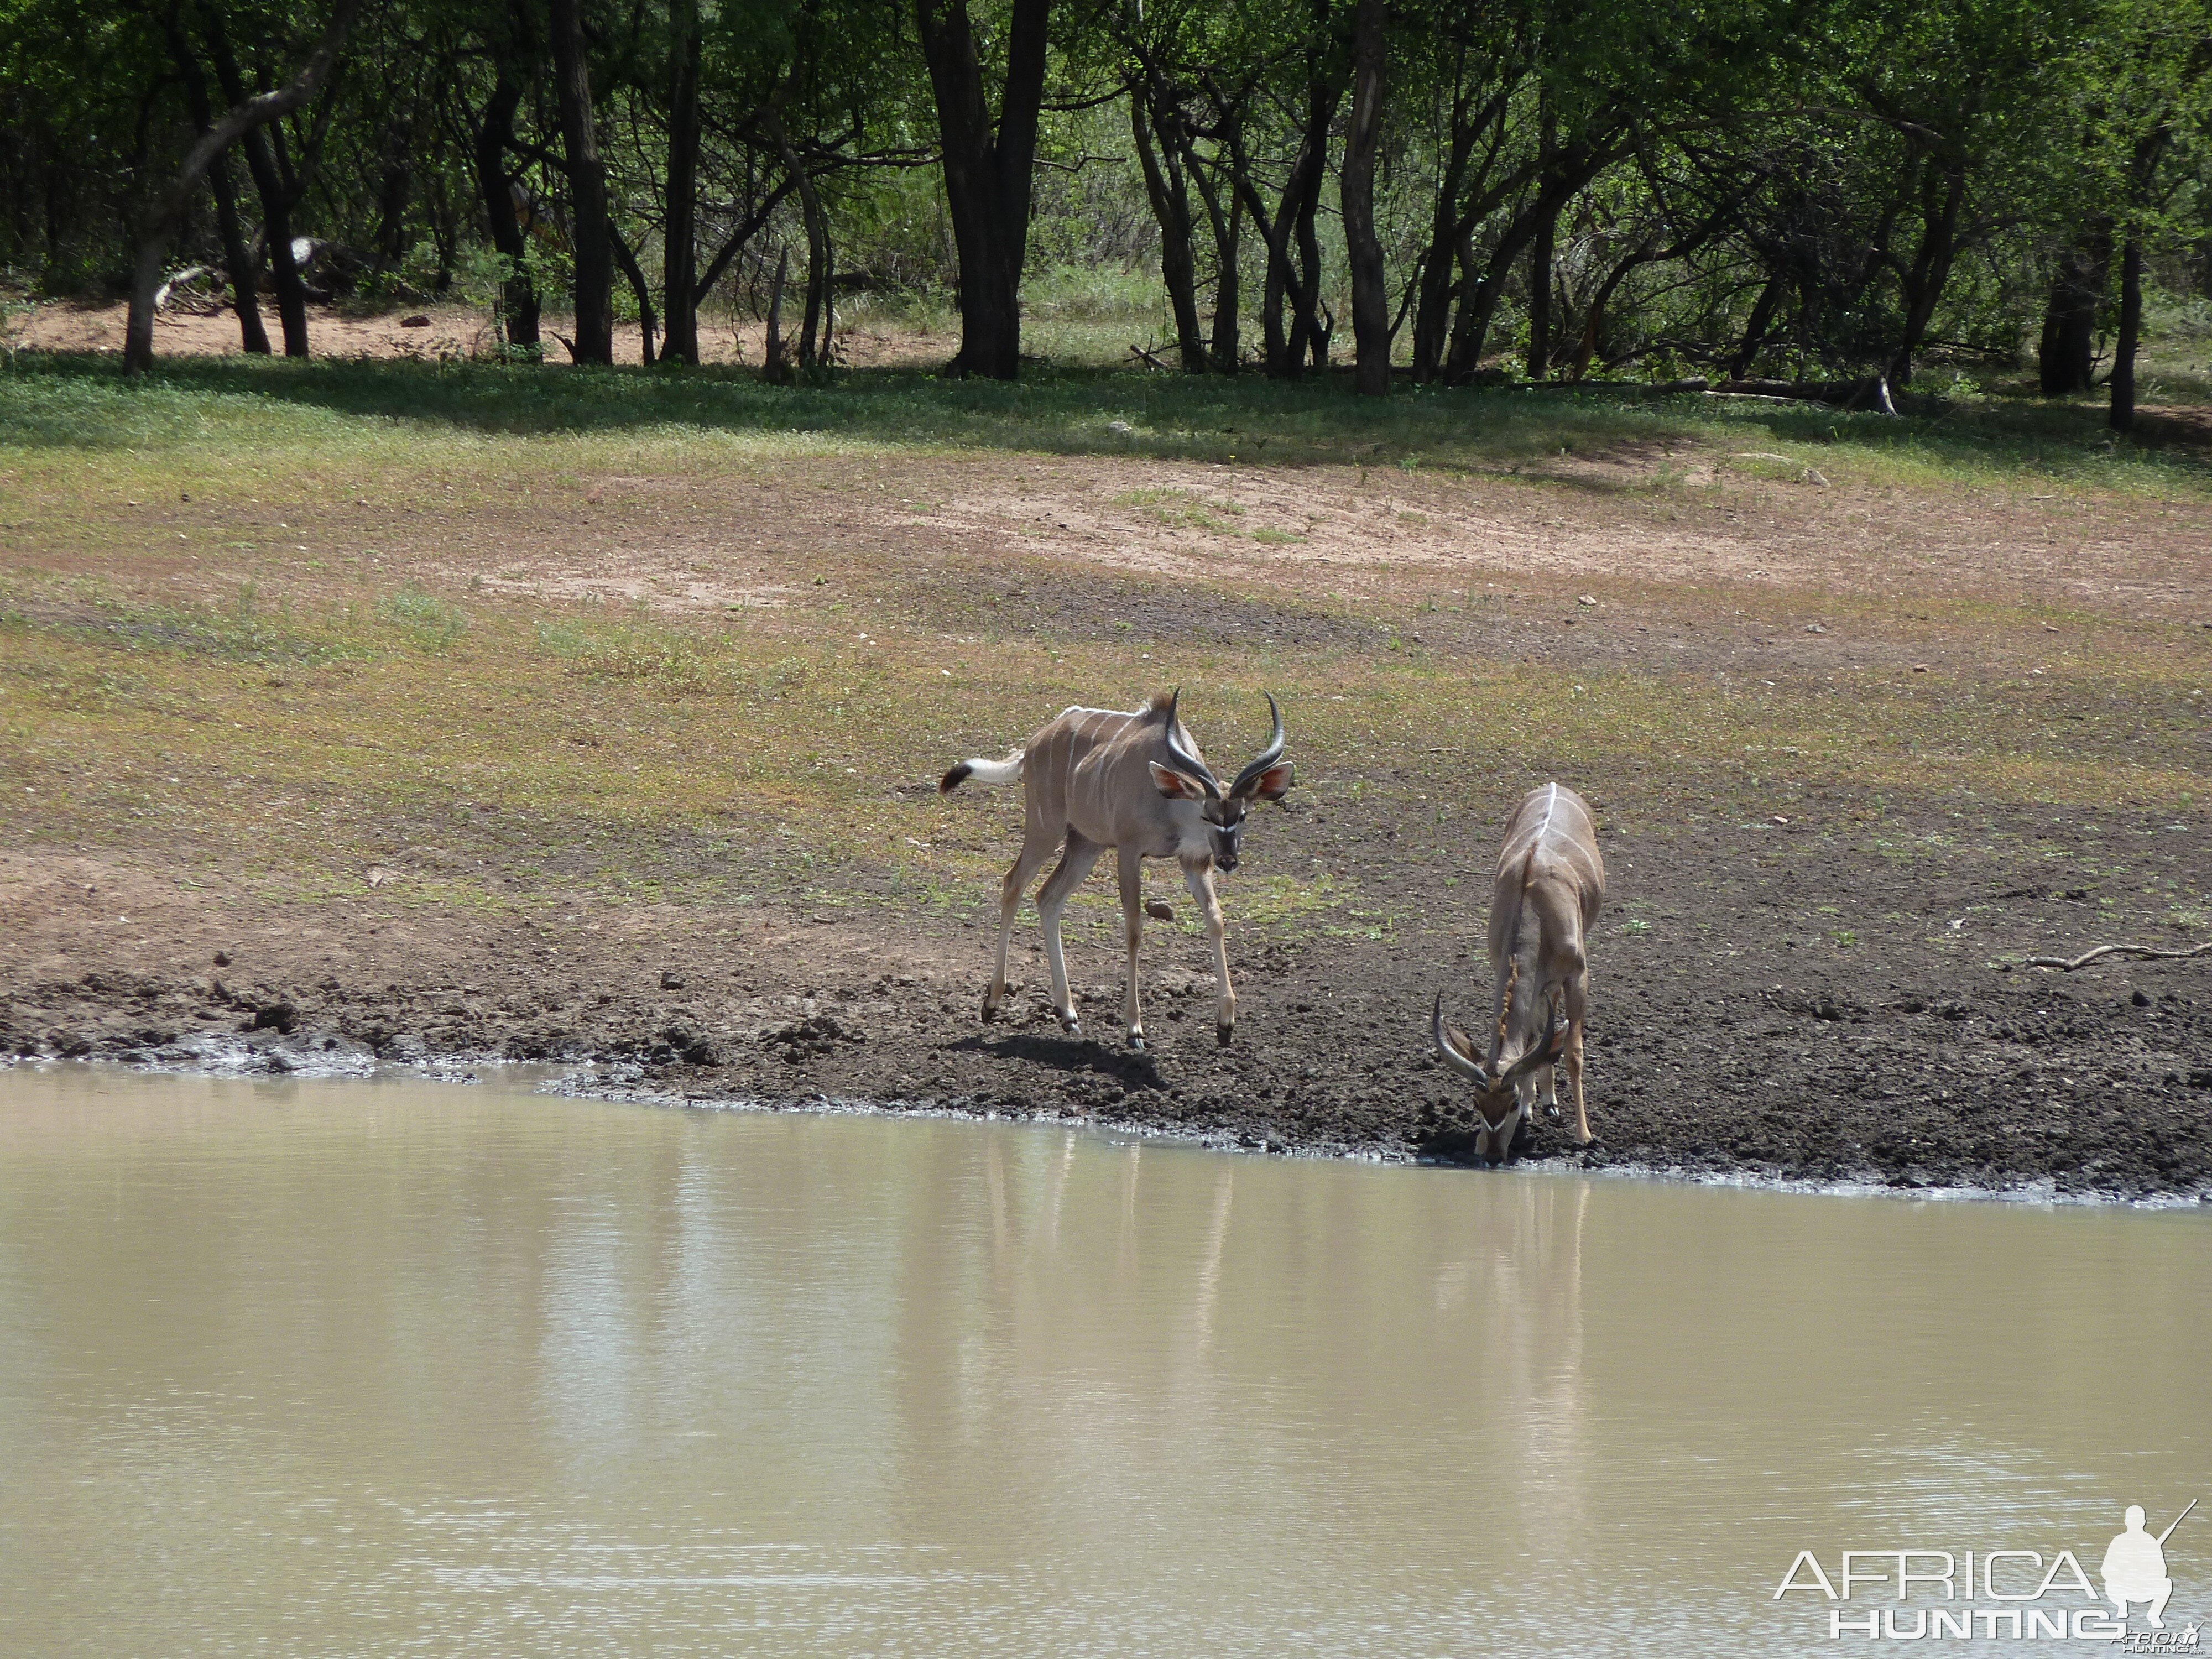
(1167, 189)
(1755, 331)
(679, 236)
(1309, 334)
(773, 369)
(276, 194)
(816, 221)
(1225, 347)
(1371, 297)
(238, 260)
(276, 245)
(647, 323)
(2066, 359)
(166, 211)
(1539, 297)
(1432, 310)
(1570, 170)
(395, 185)
(1593, 322)
(2124, 349)
(587, 185)
(517, 300)
(1479, 305)
(1931, 269)
(1284, 352)
(1540, 255)
(252, 338)
(988, 176)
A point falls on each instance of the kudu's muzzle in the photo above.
(1494, 1141)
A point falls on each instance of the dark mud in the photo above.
(1825, 1000)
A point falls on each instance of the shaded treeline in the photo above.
(1819, 189)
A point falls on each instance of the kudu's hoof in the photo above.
(1137, 1042)
(1222, 1033)
(990, 1011)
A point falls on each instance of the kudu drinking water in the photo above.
(1550, 885)
(1097, 778)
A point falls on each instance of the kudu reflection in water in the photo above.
(1094, 779)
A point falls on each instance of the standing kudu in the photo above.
(1549, 887)
(1095, 778)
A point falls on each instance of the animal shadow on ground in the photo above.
(1067, 1054)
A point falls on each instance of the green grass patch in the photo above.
(663, 420)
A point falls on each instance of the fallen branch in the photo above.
(2088, 957)
(1146, 357)
(1872, 393)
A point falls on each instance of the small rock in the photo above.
(1814, 628)
(1121, 428)
(222, 958)
(1813, 476)
(1585, 598)
(417, 321)
(1920, 668)
(670, 979)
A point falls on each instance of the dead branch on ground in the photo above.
(2068, 965)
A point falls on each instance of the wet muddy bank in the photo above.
(1827, 1001)
(2092, 1086)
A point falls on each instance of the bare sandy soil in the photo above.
(1736, 1027)
(446, 333)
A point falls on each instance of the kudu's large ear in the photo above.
(1453, 1047)
(1271, 785)
(1174, 784)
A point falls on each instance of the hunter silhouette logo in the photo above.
(2016, 1595)
(2134, 1566)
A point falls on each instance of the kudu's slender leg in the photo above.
(1199, 879)
(1551, 1082)
(1577, 1001)
(1130, 867)
(1052, 898)
(1035, 849)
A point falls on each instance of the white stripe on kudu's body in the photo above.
(1096, 778)
(1549, 887)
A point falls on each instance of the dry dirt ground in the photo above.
(1817, 983)
(445, 332)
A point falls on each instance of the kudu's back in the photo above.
(1551, 877)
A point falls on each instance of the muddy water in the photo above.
(396, 1368)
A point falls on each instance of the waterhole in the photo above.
(392, 1367)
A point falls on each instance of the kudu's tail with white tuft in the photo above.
(991, 773)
